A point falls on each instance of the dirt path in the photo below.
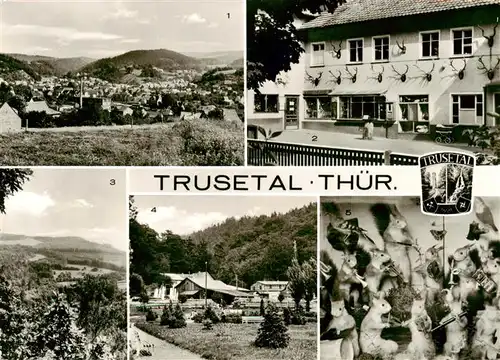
(161, 350)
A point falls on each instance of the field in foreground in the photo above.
(235, 341)
(188, 143)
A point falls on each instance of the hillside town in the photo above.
(53, 101)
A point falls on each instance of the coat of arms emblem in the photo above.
(446, 179)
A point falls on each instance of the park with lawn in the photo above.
(201, 315)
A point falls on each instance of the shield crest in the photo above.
(446, 183)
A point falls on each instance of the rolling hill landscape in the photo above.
(46, 65)
(73, 250)
(113, 68)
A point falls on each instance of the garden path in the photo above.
(162, 350)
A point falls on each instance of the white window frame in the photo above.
(472, 93)
(317, 97)
(373, 48)
(349, 51)
(266, 112)
(421, 44)
(452, 39)
(312, 53)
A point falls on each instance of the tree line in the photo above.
(248, 249)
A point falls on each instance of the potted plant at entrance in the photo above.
(262, 147)
(481, 136)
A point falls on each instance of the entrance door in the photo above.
(497, 108)
(291, 112)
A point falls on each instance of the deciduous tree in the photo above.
(273, 42)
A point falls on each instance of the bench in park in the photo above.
(252, 319)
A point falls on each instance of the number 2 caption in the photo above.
(314, 138)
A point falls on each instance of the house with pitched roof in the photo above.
(409, 65)
(9, 119)
(195, 286)
(40, 106)
(271, 289)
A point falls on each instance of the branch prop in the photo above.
(449, 321)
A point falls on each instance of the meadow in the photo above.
(235, 341)
(187, 143)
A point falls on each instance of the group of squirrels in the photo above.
(452, 314)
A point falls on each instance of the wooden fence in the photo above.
(261, 152)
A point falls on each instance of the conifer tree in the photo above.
(273, 332)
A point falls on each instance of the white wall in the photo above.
(444, 80)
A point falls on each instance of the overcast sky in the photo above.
(92, 28)
(187, 214)
(76, 202)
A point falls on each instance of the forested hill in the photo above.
(254, 248)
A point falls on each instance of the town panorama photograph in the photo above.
(120, 83)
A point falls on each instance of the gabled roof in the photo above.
(214, 285)
(356, 11)
(7, 110)
(40, 106)
(271, 282)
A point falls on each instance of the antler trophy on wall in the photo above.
(427, 75)
(401, 76)
(336, 52)
(379, 74)
(352, 75)
(490, 38)
(488, 71)
(336, 78)
(460, 73)
(314, 80)
(402, 46)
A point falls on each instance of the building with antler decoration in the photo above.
(408, 64)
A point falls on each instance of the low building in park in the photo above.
(270, 289)
(194, 287)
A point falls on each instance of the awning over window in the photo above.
(359, 92)
(493, 86)
(317, 92)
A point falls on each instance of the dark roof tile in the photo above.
(354, 11)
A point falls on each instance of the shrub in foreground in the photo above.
(207, 324)
(211, 315)
(151, 316)
(207, 144)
